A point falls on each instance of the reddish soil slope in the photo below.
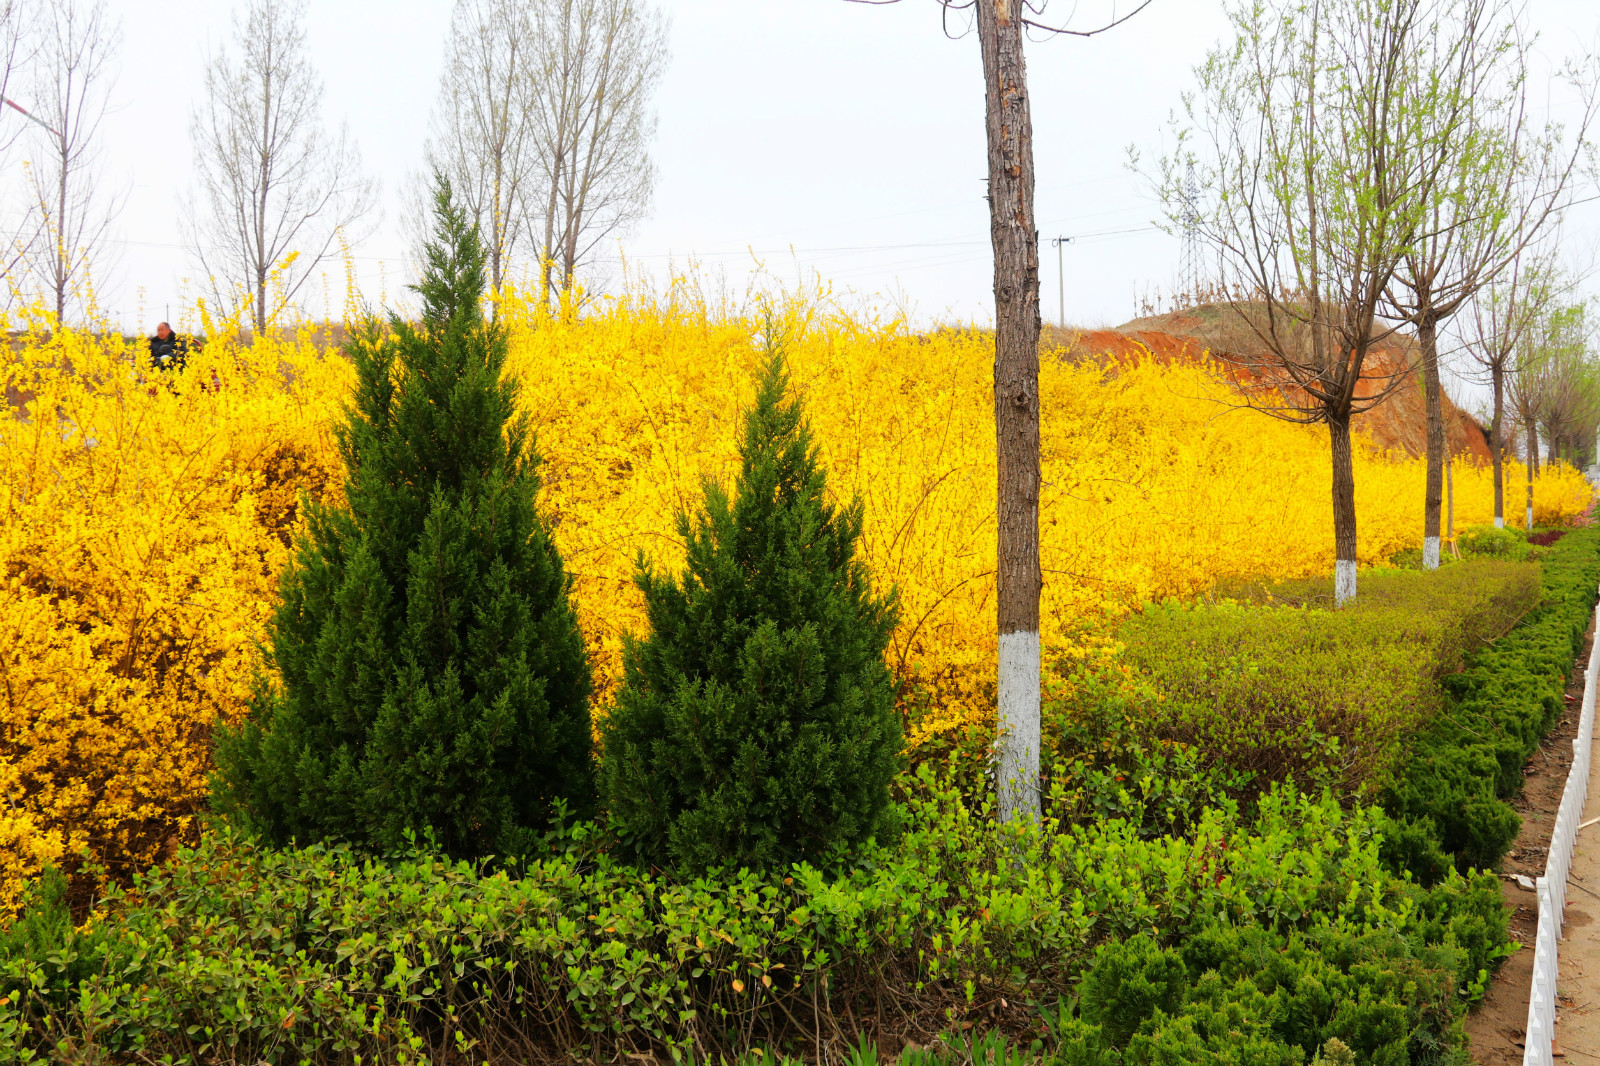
(1398, 423)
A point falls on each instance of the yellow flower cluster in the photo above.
(146, 518)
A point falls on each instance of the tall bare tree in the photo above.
(599, 64)
(1504, 311)
(73, 205)
(1303, 133)
(1008, 126)
(482, 137)
(1502, 182)
(276, 191)
(17, 44)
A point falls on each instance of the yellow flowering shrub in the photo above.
(144, 524)
(146, 520)
(1153, 485)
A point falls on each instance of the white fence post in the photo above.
(1552, 887)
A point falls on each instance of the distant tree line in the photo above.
(543, 123)
(1365, 166)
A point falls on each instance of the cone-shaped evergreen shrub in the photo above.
(433, 675)
(756, 723)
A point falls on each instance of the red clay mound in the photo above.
(1399, 423)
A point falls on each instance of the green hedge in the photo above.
(1321, 697)
(1460, 771)
(242, 953)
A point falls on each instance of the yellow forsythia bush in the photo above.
(146, 520)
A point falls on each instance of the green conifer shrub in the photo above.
(433, 675)
(756, 723)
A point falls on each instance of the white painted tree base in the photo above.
(1430, 553)
(1018, 769)
(1499, 521)
(1344, 582)
(1530, 517)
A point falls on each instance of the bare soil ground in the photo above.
(1496, 1026)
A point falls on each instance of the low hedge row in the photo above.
(1459, 772)
(237, 953)
(1319, 697)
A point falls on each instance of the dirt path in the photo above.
(1578, 1001)
(1495, 1027)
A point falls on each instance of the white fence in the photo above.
(1552, 887)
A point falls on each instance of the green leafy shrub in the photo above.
(1251, 993)
(1129, 982)
(318, 954)
(1461, 770)
(756, 723)
(433, 674)
(1317, 696)
(1501, 542)
(1102, 763)
(43, 941)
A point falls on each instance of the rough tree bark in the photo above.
(1428, 337)
(1016, 399)
(1344, 510)
(1533, 466)
(1497, 444)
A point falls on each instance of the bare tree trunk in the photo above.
(1497, 444)
(1344, 512)
(1428, 335)
(61, 251)
(1533, 461)
(264, 189)
(1016, 400)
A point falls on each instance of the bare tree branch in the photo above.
(482, 137)
(600, 63)
(1303, 134)
(1031, 23)
(73, 206)
(276, 192)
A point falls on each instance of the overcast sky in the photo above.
(823, 135)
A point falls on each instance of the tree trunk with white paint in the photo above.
(1433, 492)
(1344, 512)
(1533, 462)
(1016, 400)
(1497, 444)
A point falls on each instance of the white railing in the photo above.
(1552, 887)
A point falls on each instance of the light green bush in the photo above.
(1500, 542)
(1318, 696)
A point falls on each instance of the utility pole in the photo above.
(1061, 280)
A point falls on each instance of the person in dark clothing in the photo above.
(168, 350)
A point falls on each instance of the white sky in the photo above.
(850, 133)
